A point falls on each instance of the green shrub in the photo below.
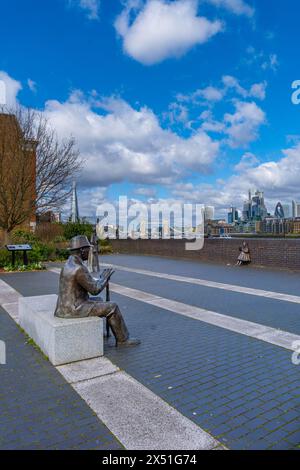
(22, 268)
(62, 254)
(19, 237)
(5, 258)
(81, 228)
(41, 252)
(53, 247)
(59, 239)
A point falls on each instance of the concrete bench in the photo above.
(61, 340)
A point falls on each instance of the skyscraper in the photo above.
(233, 215)
(279, 211)
(286, 210)
(295, 209)
(259, 211)
(74, 205)
(254, 208)
(209, 213)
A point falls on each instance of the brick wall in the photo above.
(277, 253)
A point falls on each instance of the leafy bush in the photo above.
(49, 243)
(54, 250)
(5, 258)
(22, 268)
(62, 254)
(41, 252)
(59, 239)
(73, 229)
(19, 237)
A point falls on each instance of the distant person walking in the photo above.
(244, 257)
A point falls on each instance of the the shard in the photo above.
(74, 205)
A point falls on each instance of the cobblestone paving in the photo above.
(243, 391)
(247, 276)
(269, 312)
(38, 409)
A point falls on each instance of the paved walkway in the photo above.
(39, 410)
(137, 417)
(243, 391)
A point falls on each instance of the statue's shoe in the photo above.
(130, 342)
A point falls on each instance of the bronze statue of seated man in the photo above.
(75, 285)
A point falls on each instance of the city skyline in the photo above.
(283, 209)
(160, 115)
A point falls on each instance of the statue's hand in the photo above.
(106, 275)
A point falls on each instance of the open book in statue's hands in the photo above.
(106, 275)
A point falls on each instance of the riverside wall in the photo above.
(273, 253)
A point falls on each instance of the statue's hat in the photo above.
(81, 241)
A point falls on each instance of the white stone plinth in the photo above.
(61, 340)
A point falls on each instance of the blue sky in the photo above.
(177, 100)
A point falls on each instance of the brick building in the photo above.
(17, 177)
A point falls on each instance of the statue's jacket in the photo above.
(76, 283)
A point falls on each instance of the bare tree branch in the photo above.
(36, 168)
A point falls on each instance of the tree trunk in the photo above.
(6, 237)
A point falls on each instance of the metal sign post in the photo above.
(17, 248)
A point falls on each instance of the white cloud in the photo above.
(279, 176)
(177, 113)
(2, 93)
(91, 7)
(258, 90)
(233, 83)
(263, 60)
(31, 85)
(88, 200)
(239, 7)
(121, 143)
(210, 124)
(278, 179)
(9, 90)
(243, 126)
(248, 160)
(210, 94)
(164, 29)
